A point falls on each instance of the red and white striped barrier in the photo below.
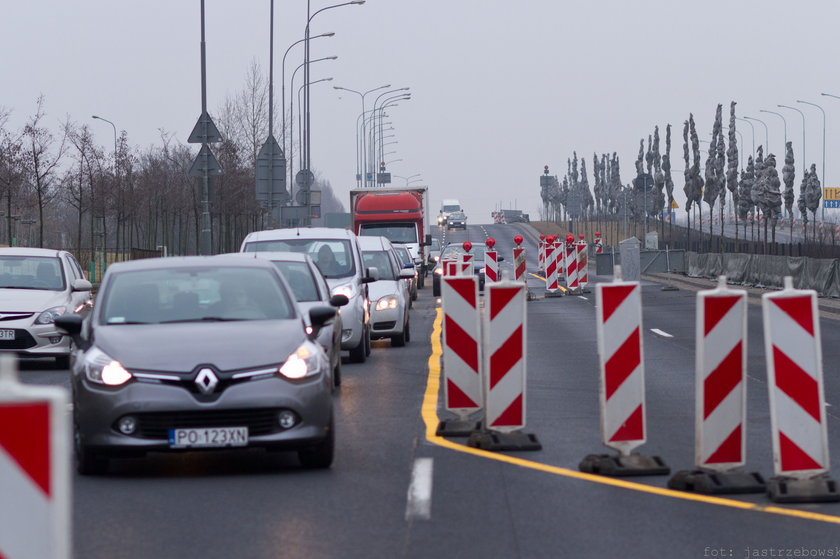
(599, 243)
(35, 451)
(551, 284)
(541, 254)
(465, 260)
(795, 381)
(461, 350)
(491, 262)
(571, 263)
(622, 393)
(450, 267)
(720, 370)
(505, 364)
(519, 259)
(582, 262)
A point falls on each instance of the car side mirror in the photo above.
(501, 258)
(319, 317)
(72, 325)
(371, 274)
(428, 240)
(339, 300)
(81, 285)
(408, 265)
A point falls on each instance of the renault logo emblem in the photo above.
(206, 381)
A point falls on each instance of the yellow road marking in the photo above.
(543, 279)
(430, 418)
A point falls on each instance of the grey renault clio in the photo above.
(199, 353)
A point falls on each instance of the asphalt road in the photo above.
(522, 505)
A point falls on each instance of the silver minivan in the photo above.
(336, 253)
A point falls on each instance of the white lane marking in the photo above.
(659, 332)
(420, 491)
(584, 298)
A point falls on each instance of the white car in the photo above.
(389, 297)
(36, 286)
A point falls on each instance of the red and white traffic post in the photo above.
(551, 283)
(720, 396)
(465, 260)
(519, 259)
(797, 400)
(571, 263)
(505, 368)
(541, 254)
(491, 261)
(35, 456)
(582, 262)
(599, 243)
(622, 381)
(461, 353)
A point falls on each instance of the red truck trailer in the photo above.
(399, 214)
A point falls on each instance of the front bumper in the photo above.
(353, 322)
(34, 340)
(160, 407)
(388, 322)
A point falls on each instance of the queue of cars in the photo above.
(192, 353)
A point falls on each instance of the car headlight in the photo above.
(49, 315)
(102, 369)
(348, 290)
(435, 258)
(302, 363)
(438, 271)
(481, 271)
(389, 302)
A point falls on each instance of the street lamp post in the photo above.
(102, 256)
(373, 123)
(766, 131)
(780, 115)
(300, 116)
(309, 18)
(823, 153)
(283, 80)
(390, 102)
(752, 127)
(358, 150)
(804, 162)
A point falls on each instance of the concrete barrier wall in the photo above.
(650, 261)
(821, 275)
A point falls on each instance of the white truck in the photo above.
(448, 206)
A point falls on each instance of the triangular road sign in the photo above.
(204, 132)
(205, 161)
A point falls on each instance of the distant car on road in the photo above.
(195, 353)
(408, 264)
(389, 299)
(36, 286)
(457, 220)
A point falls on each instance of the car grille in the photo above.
(156, 425)
(384, 325)
(15, 315)
(23, 340)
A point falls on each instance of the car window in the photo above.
(453, 249)
(31, 272)
(300, 279)
(194, 294)
(333, 257)
(394, 232)
(405, 258)
(382, 261)
(72, 269)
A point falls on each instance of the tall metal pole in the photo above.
(822, 214)
(206, 240)
(766, 132)
(102, 263)
(358, 150)
(752, 127)
(804, 162)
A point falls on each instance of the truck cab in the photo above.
(447, 207)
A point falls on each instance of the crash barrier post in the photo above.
(582, 262)
(491, 262)
(797, 401)
(622, 382)
(551, 285)
(461, 354)
(450, 267)
(505, 368)
(571, 264)
(519, 259)
(541, 254)
(34, 468)
(465, 259)
(599, 243)
(720, 397)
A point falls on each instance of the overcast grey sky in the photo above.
(500, 88)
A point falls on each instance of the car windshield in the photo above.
(332, 256)
(299, 277)
(457, 215)
(450, 208)
(31, 272)
(194, 294)
(380, 260)
(450, 251)
(394, 232)
(402, 252)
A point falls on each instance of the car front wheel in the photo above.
(320, 455)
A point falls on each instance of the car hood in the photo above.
(30, 300)
(183, 346)
(382, 288)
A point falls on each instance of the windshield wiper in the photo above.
(203, 319)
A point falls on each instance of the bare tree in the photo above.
(732, 165)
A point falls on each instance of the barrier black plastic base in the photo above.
(819, 489)
(718, 483)
(620, 466)
(457, 427)
(669, 288)
(504, 441)
(558, 293)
